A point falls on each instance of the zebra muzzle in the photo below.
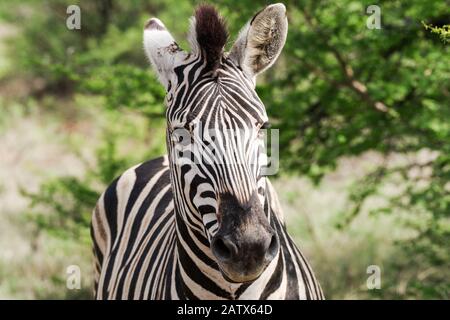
(245, 243)
(244, 257)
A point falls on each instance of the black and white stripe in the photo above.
(153, 226)
(139, 256)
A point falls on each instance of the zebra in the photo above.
(177, 227)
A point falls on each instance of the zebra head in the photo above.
(215, 124)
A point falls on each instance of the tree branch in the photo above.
(354, 84)
(350, 81)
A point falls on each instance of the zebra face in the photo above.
(215, 131)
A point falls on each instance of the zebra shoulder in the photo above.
(116, 200)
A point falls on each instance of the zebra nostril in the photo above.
(224, 249)
(273, 247)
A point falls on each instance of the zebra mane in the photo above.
(211, 34)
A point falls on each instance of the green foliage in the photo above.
(340, 72)
(69, 200)
(116, 82)
(344, 90)
(63, 206)
(443, 32)
(99, 59)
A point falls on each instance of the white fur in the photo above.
(162, 51)
(192, 36)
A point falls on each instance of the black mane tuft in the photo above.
(212, 34)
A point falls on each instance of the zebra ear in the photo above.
(162, 50)
(261, 40)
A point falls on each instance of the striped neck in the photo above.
(196, 263)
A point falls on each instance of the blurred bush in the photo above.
(339, 90)
(101, 58)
